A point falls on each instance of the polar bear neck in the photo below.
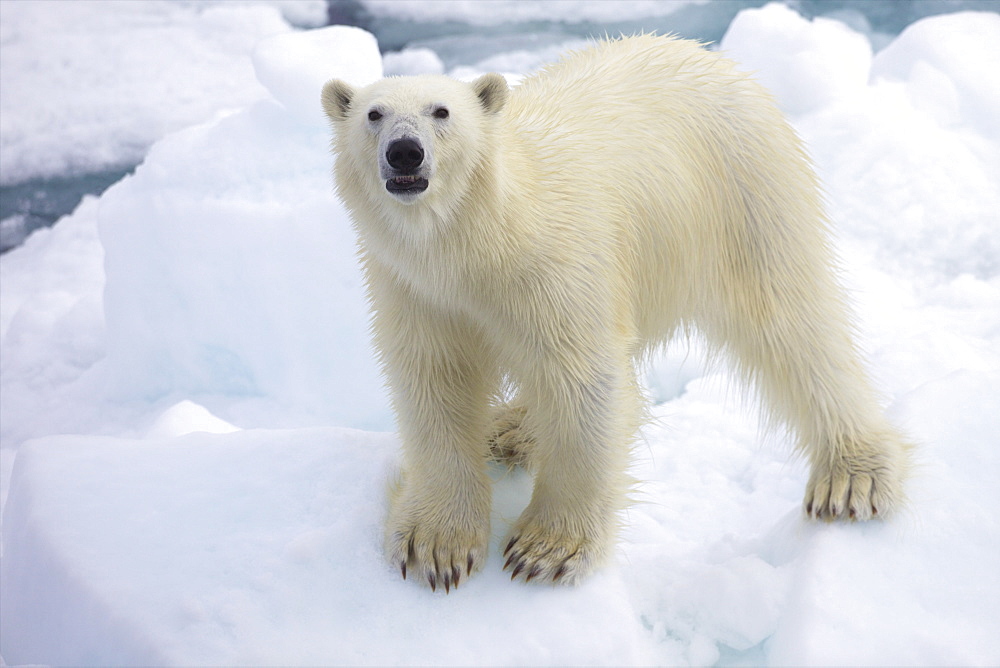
(436, 244)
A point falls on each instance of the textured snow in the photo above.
(72, 70)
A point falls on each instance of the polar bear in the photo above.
(547, 238)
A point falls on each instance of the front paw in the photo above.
(859, 486)
(439, 541)
(556, 551)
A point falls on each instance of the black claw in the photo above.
(402, 567)
(447, 582)
(517, 570)
(432, 581)
(511, 559)
(456, 575)
(509, 546)
(535, 570)
(561, 571)
(468, 565)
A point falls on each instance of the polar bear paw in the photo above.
(542, 553)
(441, 557)
(435, 546)
(857, 487)
(509, 440)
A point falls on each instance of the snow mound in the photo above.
(294, 66)
(75, 104)
(253, 548)
(264, 547)
(251, 288)
(186, 417)
(948, 66)
(410, 62)
(807, 65)
(907, 144)
(51, 328)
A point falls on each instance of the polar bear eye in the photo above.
(374, 115)
(441, 112)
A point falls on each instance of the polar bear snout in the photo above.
(405, 158)
(405, 155)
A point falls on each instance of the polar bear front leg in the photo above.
(438, 531)
(582, 428)
(439, 510)
(438, 523)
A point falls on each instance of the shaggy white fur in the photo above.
(551, 236)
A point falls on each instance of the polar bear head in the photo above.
(406, 138)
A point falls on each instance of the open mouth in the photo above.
(406, 184)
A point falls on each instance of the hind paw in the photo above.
(855, 487)
(509, 440)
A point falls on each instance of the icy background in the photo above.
(194, 442)
(60, 141)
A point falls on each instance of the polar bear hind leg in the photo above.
(510, 440)
(786, 325)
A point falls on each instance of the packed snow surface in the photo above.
(73, 70)
(196, 444)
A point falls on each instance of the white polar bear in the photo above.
(546, 238)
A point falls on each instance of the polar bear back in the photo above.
(691, 159)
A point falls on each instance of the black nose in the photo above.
(404, 155)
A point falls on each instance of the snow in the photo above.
(196, 445)
(78, 95)
(409, 62)
(293, 66)
(254, 226)
(300, 580)
(946, 69)
(826, 60)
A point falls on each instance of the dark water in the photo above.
(27, 206)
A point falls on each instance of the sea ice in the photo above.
(182, 357)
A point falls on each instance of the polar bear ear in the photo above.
(492, 91)
(337, 96)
